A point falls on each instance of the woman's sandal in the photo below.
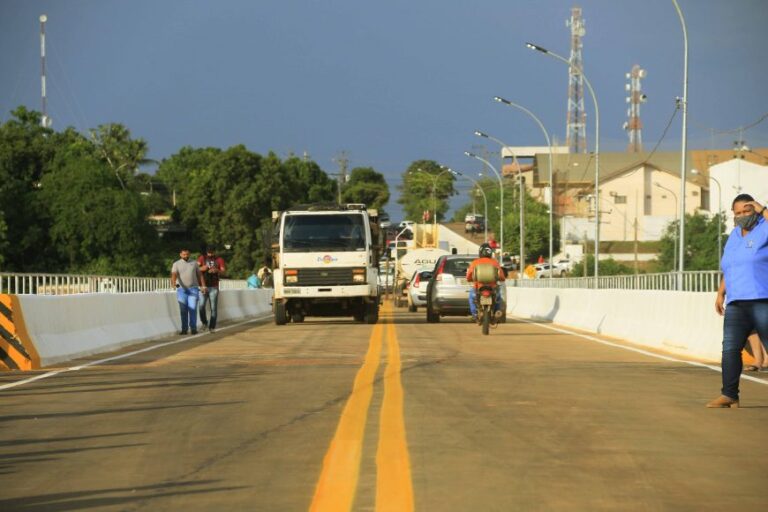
(751, 368)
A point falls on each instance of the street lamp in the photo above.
(501, 193)
(597, 147)
(485, 199)
(674, 258)
(522, 193)
(551, 182)
(684, 149)
(434, 177)
(719, 216)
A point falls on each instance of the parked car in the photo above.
(448, 289)
(417, 291)
(564, 264)
(542, 270)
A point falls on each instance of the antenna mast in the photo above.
(634, 125)
(45, 121)
(576, 123)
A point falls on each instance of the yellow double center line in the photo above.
(335, 490)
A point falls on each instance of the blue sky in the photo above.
(389, 82)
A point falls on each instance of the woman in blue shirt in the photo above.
(743, 293)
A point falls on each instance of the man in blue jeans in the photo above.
(213, 269)
(187, 279)
(743, 293)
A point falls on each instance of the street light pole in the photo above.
(684, 149)
(597, 148)
(434, 177)
(719, 216)
(485, 199)
(501, 193)
(551, 182)
(674, 257)
(522, 194)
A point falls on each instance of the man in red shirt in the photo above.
(485, 257)
(213, 269)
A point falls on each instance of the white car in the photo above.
(417, 290)
(542, 271)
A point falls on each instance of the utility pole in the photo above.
(635, 225)
(341, 176)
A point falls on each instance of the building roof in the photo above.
(579, 168)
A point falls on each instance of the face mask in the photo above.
(747, 222)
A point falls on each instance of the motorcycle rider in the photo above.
(485, 254)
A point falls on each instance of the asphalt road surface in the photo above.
(331, 415)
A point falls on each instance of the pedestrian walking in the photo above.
(743, 294)
(265, 274)
(213, 269)
(187, 279)
(253, 281)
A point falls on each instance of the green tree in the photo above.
(123, 154)
(26, 153)
(95, 224)
(536, 219)
(366, 186)
(700, 243)
(608, 267)
(420, 180)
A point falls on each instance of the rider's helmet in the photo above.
(485, 251)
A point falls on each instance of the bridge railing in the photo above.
(692, 281)
(66, 284)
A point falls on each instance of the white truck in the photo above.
(325, 260)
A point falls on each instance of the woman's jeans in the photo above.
(187, 299)
(213, 297)
(741, 318)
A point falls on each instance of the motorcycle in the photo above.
(486, 275)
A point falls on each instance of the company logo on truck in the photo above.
(327, 259)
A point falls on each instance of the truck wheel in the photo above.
(371, 313)
(297, 317)
(281, 317)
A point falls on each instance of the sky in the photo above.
(387, 82)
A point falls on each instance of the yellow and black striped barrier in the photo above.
(16, 349)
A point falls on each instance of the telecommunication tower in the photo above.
(45, 121)
(634, 126)
(576, 123)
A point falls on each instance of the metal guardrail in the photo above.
(693, 281)
(67, 284)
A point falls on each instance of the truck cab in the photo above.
(326, 263)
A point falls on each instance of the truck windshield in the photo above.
(309, 233)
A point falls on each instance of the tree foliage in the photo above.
(700, 243)
(366, 186)
(536, 219)
(426, 186)
(70, 203)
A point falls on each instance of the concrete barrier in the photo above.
(67, 327)
(682, 323)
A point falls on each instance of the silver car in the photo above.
(448, 289)
(417, 290)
